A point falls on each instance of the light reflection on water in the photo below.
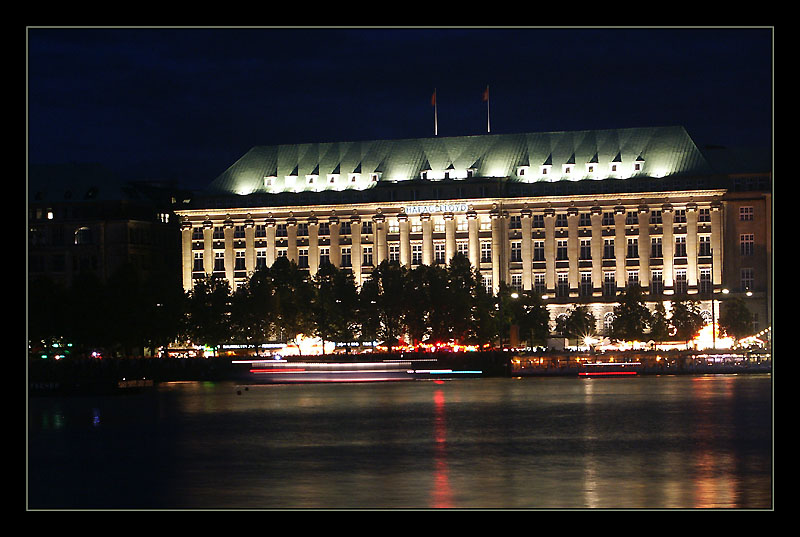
(648, 442)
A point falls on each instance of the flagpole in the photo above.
(435, 114)
(488, 125)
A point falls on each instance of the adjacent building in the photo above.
(573, 216)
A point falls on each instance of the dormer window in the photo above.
(269, 180)
(374, 177)
(545, 169)
(568, 168)
(591, 168)
(354, 177)
(311, 179)
(423, 175)
(614, 166)
(332, 178)
(470, 172)
(522, 171)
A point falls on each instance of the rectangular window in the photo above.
(608, 219)
(261, 259)
(394, 252)
(561, 250)
(463, 247)
(680, 216)
(516, 281)
(302, 257)
(562, 285)
(324, 255)
(745, 214)
(346, 261)
(487, 283)
(655, 247)
(631, 218)
(585, 219)
(538, 221)
(239, 260)
(325, 228)
(197, 233)
(608, 249)
(747, 279)
(704, 215)
(538, 250)
(633, 278)
(609, 284)
(461, 225)
(438, 252)
(561, 220)
(198, 262)
(655, 218)
(416, 254)
(746, 241)
(238, 232)
(366, 228)
(219, 233)
(366, 255)
(394, 226)
(681, 285)
(586, 284)
(538, 283)
(280, 230)
(656, 282)
(486, 252)
(516, 251)
(302, 230)
(344, 228)
(633, 248)
(219, 261)
(261, 231)
(705, 281)
(680, 246)
(704, 247)
(586, 249)
(515, 222)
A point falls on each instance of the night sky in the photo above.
(184, 104)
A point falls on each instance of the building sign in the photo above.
(437, 208)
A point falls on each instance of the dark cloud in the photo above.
(186, 103)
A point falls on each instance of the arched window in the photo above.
(83, 235)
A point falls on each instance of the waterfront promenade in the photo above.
(111, 374)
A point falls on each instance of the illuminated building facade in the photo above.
(573, 216)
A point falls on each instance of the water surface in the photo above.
(647, 442)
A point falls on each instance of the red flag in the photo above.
(486, 95)
(433, 98)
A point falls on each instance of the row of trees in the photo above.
(428, 304)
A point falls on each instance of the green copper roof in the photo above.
(659, 152)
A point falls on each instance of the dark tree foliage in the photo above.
(735, 320)
(686, 320)
(631, 316)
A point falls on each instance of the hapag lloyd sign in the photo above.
(438, 208)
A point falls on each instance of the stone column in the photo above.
(291, 236)
(497, 249)
(335, 250)
(249, 245)
(405, 240)
(270, 225)
(313, 245)
(427, 239)
(187, 255)
(668, 248)
(644, 247)
(208, 246)
(527, 250)
(620, 247)
(381, 247)
(449, 237)
(573, 249)
(355, 247)
(474, 241)
(550, 250)
(716, 241)
(597, 250)
(691, 247)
